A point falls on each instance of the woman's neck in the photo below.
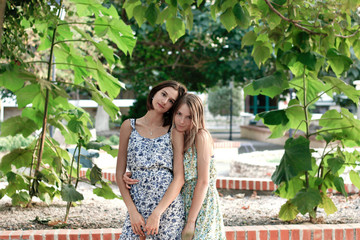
(154, 119)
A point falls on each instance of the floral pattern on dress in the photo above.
(151, 162)
(209, 223)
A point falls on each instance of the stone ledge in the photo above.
(265, 232)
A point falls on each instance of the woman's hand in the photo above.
(128, 180)
(137, 223)
(152, 223)
(188, 231)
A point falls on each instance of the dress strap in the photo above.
(133, 122)
(169, 128)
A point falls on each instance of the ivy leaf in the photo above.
(152, 13)
(307, 200)
(20, 199)
(355, 178)
(339, 63)
(175, 28)
(105, 191)
(130, 6)
(308, 59)
(327, 204)
(270, 86)
(228, 19)
(26, 95)
(14, 78)
(18, 125)
(296, 159)
(276, 117)
(69, 193)
(261, 53)
(335, 164)
(288, 211)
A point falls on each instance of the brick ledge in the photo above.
(265, 232)
(254, 184)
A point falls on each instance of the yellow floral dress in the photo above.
(209, 223)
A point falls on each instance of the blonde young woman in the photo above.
(154, 155)
(202, 209)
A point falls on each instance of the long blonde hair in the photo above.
(197, 118)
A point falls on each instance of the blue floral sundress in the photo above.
(151, 162)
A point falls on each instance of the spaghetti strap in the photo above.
(169, 128)
(133, 122)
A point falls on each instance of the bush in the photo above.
(9, 143)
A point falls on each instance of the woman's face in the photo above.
(164, 99)
(182, 119)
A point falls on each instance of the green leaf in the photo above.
(228, 19)
(308, 59)
(95, 174)
(327, 204)
(152, 13)
(105, 191)
(270, 86)
(274, 20)
(288, 211)
(307, 200)
(339, 184)
(335, 164)
(248, 39)
(296, 159)
(242, 16)
(339, 63)
(18, 125)
(355, 178)
(19, 158)
(261, 53)
(342, 87)
(130, 6)
(69, 193)
(83, 10)
(13, 79)
(26, 95)
(110, 150)
(175, 28)
(20, 199)
(276, 117)
(289, 189)
(139, 14)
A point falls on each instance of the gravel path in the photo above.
(95, 212)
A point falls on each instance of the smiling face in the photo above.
(183, 119)
(164, 99)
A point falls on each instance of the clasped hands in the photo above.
(139, 226)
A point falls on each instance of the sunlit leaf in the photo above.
(105, 191)
(288, 211)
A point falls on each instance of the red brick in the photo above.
(49, 235)
(295, 234)
(263, 234)
(38, 235)
(349, 234)
(251, 185)
(237, 184)
(243, 184)
(271, 186)
(62, 234)
(74, 234)
(117, 234)
(251, 235)
(257, 186)
(85, 236)
(284, 234)
(16, 235)
(328, 233)
(5, 234)
(318, 234)
(217, 183)
(96, 234)
(107, 234)
(230, 235)
(339, 233)
(223, 182)
(231, 184)
(273, 232)
(264, 185)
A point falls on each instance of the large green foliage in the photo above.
(50, 170)
(311, 43)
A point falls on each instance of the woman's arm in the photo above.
(152, 224)
(137, 221)
(203, 144)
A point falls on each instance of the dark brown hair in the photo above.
(180, 88)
